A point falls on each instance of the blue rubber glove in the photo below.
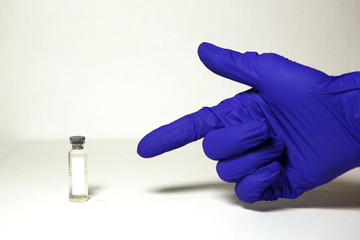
(296, 129)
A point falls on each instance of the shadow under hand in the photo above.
(336, 195)
(195, 187)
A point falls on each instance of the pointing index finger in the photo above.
(178, 133)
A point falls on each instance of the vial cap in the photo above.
(77, 139)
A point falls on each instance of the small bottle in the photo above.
(78, 182)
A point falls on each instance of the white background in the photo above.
(117, 69)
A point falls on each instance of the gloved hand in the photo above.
(296, 129)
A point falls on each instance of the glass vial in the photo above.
(78, 182)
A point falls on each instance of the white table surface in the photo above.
(174, 196)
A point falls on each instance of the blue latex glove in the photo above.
(296, 129)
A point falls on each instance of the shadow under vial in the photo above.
(95, 190)
(336, 194)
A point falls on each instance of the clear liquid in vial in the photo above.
(83, 196)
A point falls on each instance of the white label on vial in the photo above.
(78, 175)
